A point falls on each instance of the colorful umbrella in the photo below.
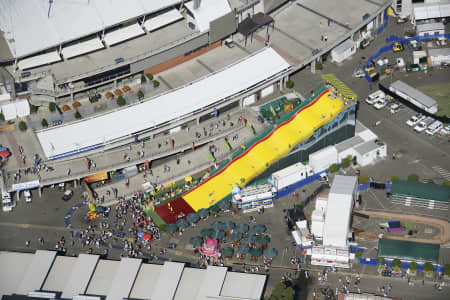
(262, 240)
(258, 228)
(171, 227)
(243, 249)
(256, 252)
(218, 234)
(182, 223)
(192, 218)
(140, 234)
(270, 253)
(4, 154)
(250, 238)
(217, 225)
(228, 225)
(235, 236)
(207, 232)
(196, 241)
(226, 252)
(242, 228)
(146, 236)
(203, 213)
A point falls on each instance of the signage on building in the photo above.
(25, 185)
(96, 177)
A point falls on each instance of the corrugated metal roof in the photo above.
(426, 191)
(367, 147)
(413, 93)
(405, 250)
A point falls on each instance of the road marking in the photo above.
(376, 198)
(32, 226)
(441, 171)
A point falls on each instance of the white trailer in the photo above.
(343, 51)
(323, 159)
(414, 96)
(290, 175)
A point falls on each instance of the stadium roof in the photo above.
(208, 11)
(405, 250)
(32, 26)
(37, 271)
(420, 190)
(79, 136)
(80, 276)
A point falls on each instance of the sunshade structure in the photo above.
(226, 252)
(270, 253)
(182, 223)
(218, 234)
(171, 227)
(251, 238)
(262, 240)
(207, 232)
(343, 89)
(192, 218)
(217, 225)
(203, 213)
(242, 228)
(258, 228)
(228, 225)
(243, 249)
(255, 252)
(224, 204)
(235, 236)
(196, 241)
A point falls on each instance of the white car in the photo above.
(414, 120)
(442, 41)
(380, 103)
(375, 96)
(27, 195)
(7, 203)
(445, 130)
(422, 125)
(434, 128)
(395, 108)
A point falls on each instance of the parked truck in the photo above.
(290, 175)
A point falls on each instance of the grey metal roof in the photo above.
(37, 271)
(343, 184)
(430, 27)
(243, 285)
(347, 144)
(439, 52)
(212, 282)
(124, 278)
(413, 93)
(367, 147)
(81, 274)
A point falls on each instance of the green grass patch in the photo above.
(441, 93)
(155, 217)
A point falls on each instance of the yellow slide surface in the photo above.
(265, 152)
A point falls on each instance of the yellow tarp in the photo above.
(243, 169)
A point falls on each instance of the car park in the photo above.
(422, 125)
(375, 96)
(435, 127)
(67, 195)
(380, 103)
(414, 120)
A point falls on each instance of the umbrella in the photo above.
(203, 213)
(262, 240)
(251, 238)
(242, 228)
(258, 228)
(182, 223)
(218, 234)
(140, 234)
(192, 218)
(243, 249)
(256, 252)
(214, 208)
(4, 153)
(217, 225)
(224, 204)
(270, 253)
(228, 225)
(171, 227)
(226, 252)
(196, 241)
(207, 232)
(146, 236)
(235, 236)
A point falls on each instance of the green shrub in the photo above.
(363, 179)
(381, 261)
(2, 117)
(33, 108)
(155, 83)
(396, 263)
(22, 126)
(358, 254)
(143, 79)
(413, 266)
(428, 267)
(447, 270)
(394, 177)
(289, 84)
(44, 123)
(52, 107)
(162, 227)
(149, 76)
(140, 94)
(431, 181)
(333, 168)
(413, 177)
(446, 182)
(319, 65)
(345, 163)
(77, 115)
(121, 101)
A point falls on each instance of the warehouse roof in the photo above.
(343, 185)
(430, 27)
(421, 190)
(408, 250)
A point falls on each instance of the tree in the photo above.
(333, 168)
(52, 107)
(396, 263)
(121, 101)
(77, 115)
(22, 126)
(381, 261)
(2, 117)
(140, 94)
(358, 254)
(447, 270)
(394, 177)
(282, 292)
(155, 83)
(428, 267)
(289, 84)
(319, 65)
(446, 182)
(44, 123)
(345, 163)
(413, 177)
(33, 108)
(143, 79)
(413, 266)
(149, 76)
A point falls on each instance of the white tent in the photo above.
(123, 34)
(208, 11)
(39, 60)
(82, 48)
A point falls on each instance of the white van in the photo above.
(424, 124)
(434, 128)
(7, 203)
(27, 195)
(375, 96)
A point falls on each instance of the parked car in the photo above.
(422, 125)
(445, 130)
(372, 98)
(395, 108)
(27, 195)
(435, 127)
(414, 120)
(364, 44)
(442, 41)
(67, 195)
(380, 103)
(400, 62)
(359, 73)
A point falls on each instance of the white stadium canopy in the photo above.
(123, 34)
(32, 26)
(84, 135)
(39, 60)
(162, 20)
(82, 48)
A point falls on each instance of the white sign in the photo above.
(25, 185)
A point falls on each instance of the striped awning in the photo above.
(342, 88)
